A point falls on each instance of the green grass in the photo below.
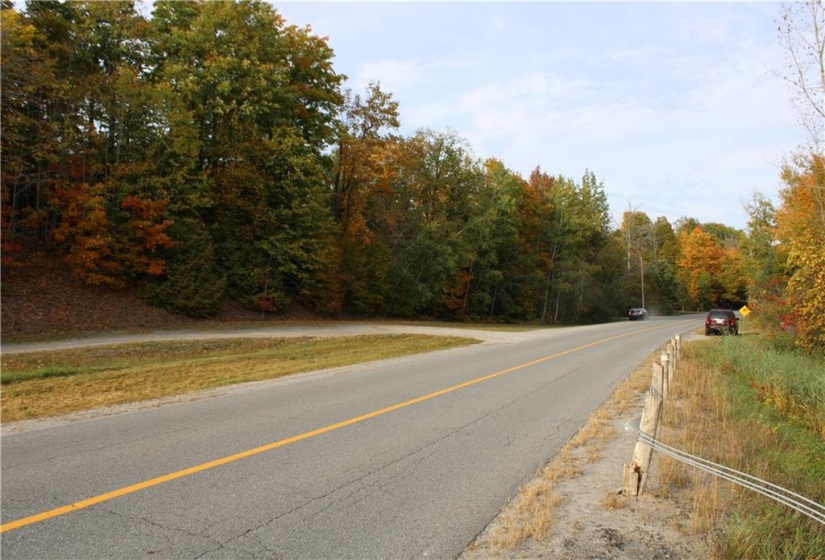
(772, 427)
(42, 384)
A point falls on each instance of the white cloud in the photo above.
(672, 105)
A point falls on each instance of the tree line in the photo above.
(211, 152)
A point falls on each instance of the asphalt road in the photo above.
(403, 458)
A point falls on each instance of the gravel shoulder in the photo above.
(593, 520)
(588, 515)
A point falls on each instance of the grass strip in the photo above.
(39, 385)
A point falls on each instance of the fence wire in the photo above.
(784, 496)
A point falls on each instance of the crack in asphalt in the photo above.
(165, 533)
(363, 485)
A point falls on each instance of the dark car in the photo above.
(637, 313)
(721, 321)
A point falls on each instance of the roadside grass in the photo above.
(43, 384)
(744, 403)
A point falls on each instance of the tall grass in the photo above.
(750, 405)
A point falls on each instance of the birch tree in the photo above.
(802, 35)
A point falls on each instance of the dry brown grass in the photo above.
(46, 384)
(614, 501)
(694, 420)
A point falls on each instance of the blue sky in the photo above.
(676, 107)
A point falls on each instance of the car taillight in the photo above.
(707, 320)
(732, 322)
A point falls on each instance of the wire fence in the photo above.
(635, 474)
(784, 496)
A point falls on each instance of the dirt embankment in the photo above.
(41, 298)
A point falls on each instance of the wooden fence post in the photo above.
(635, 475)
(660, 380)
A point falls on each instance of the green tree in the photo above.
(262, 97)
(191, 284)
(504, 268)
(651, 255)
(638, 237)
(665, 289)
(575, 230)
(429, 239)
(764, 264)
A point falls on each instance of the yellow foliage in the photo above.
(801, 227)
(711, 273)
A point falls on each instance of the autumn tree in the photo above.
(33, 123)
(208, 153)
(367, 124)
(76, 105)
(801, 229)
(784, 246)
(711, 274)
(366, 164)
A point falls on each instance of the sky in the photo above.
(678, 108)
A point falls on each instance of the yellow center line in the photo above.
(82, 504)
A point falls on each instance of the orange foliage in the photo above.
(85, 228)
(94, 251)
(149, 229)
(700, 256)
(801, 228)
(367, 170)
(456, 298)
(711, 274)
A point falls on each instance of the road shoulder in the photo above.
(574, 507)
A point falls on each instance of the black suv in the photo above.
(637, 313)
(721, 321)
